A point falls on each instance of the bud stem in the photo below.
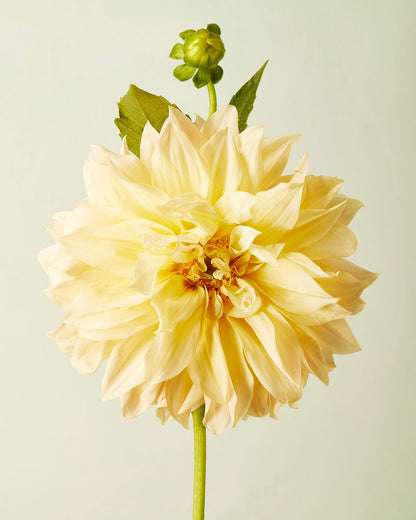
(212, 98)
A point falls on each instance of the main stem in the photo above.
(212, 98)
(200, 457)
(200, 438)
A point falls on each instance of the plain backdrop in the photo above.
(340, 73)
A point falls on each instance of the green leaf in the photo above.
(136, 108)
(243, 100)
(183, 72)
(201, 78)
(216, 74)
(177, 51)
(214, 28)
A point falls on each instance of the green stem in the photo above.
(200, 457)
(212, 98)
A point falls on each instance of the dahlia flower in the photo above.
(205, 274)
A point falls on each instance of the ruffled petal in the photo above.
(223, 164)
(275, 154)
(173, 351)
(176, 165)
(224, 118)
(177, 300)
(276, 212)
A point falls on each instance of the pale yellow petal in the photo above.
(279, 340)
(177, 300)
(312, 226)
(138, 399)
(181, 121)
(224, 117)
(335, 336)
(259, 405)
(319, 191)
(105, 248)
(148, 142)
(241, 378)
(303, 164)
(241, 238)
(169, 356)
(339, 241)
(269, 375)
(208, 368)
(291, 288)
(250, 144)
(177, 167)
(276, 212)
(126, 368)
(223, 164)
(88, 355)
(66, 337)
(145, 274)
(275, 154)
(191, 208)
(235, 207)
(314, 357)
(217, 417)
(182, 396)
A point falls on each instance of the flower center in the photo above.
(211, 267)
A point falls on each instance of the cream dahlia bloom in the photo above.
(204, 274)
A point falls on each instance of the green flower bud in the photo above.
(203, 49)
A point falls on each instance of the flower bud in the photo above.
(203, 49)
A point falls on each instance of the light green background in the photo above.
(342, 74)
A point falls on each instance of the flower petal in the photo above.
(176, 165)
(223, 164)
(269, 375)
(276, 211)
(275, 154)
(291, 288)
(138, 399)
(225, 117)
(208, 368)
(279, 340)
(176, 300)
(169, 356)
(125, 367)
(250, 144)
(235, 207)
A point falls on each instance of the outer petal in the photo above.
(241, 378)
(223, 164)
(279, 340)
(270, 376)
(177, 167)
(312, 226)
(291, 288)
(225, 117)
(208, 368)
(125, 368)
(138, 399)
(182, 396)
(275, 154)
(217, 417)
(335, 337)
(169, 356)
(88, 355)
(276, 211)
(250, 143)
